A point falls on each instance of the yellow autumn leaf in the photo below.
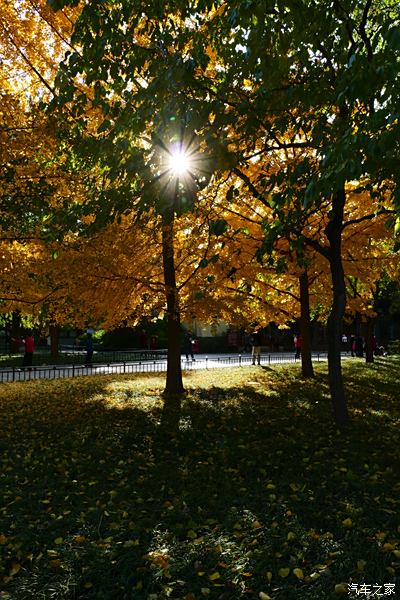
(79, 539)
(264, 596)
(341, 588)
(58, 541)
(214, 576)
(347, 522)
(284, 572)
(388, 547)
(191, 534)
(55, 564)
(15, 568)
(298, 573)
(268, 575)
(361, 565)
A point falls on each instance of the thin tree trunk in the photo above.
(54, 331)
(305, 327)
(174, 384)
(334, 234)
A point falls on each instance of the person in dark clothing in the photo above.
(359, 346)
(256, 347)
(297, 345)
(352, 344)
(188, 345)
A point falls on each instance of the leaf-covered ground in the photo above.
(260, 496)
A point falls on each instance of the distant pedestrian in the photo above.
(297, 345)
(153, 342)
(352, 342)
(29, 348)
(359, 346)
(247, 342)
(188, 345)
(143, 339)
(89, 349)
(256, 347)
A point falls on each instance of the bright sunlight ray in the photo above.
(178, 161)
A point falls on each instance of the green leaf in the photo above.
(393, 38)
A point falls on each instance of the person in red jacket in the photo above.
(29, 346)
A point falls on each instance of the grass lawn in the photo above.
(259, 497)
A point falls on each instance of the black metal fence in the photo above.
(147, 366)
(74, 355)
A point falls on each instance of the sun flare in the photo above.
(178, 162)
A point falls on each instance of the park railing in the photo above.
(147, 366)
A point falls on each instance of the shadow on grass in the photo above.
(97, 505)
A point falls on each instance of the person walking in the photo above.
(352, 344)
(256, 347)
(297, 345)
(188, 345)
(359, 346)
(29, 348)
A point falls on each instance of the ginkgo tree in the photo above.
(332, 88)
(32, 39)
(284, 283)
(257, 71)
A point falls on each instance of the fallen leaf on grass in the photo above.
(15, 568)
(347, 523)
(298, 573)
(284, 572)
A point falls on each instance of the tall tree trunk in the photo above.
(333, 232)
(305, 327)
(174, 384)
(54, 331)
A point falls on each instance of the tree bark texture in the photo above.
(174, 383)
(54, 331)
(305, 327)
(333, 232)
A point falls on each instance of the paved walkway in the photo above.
(202, 361)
